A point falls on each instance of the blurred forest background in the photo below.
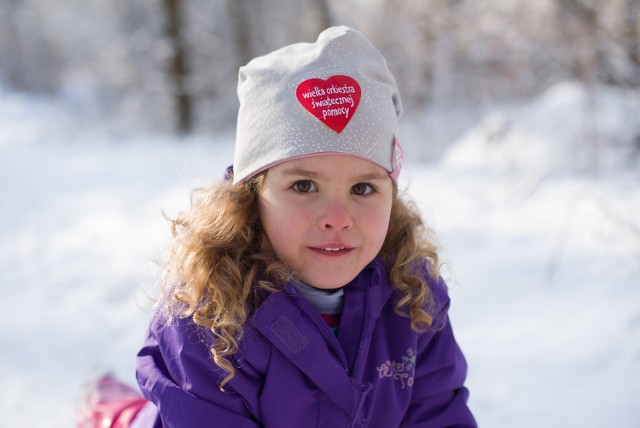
(171, 65)
(522, 137)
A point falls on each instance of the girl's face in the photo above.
(326, 216)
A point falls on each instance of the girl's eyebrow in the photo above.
(315, 175)
(301, 172)
(372, 176)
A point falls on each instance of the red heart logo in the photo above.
(332, 101)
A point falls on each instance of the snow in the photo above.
(543, 258)
(566, 129)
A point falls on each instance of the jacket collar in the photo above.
(377, 282)
(290, 330)
(283, 319)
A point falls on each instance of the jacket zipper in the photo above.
(323, 327)
(366, 326)
(364, 392)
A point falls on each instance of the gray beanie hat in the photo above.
(332, 96)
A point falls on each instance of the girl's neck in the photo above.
(323, 301)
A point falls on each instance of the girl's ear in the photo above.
(228, 174)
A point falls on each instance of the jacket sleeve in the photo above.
(439, 397)
(175, 372)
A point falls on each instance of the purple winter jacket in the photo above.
(292, 371)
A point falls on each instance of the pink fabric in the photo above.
(109, 403)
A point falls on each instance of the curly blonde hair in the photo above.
(221, 265)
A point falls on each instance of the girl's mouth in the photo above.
(332, 250)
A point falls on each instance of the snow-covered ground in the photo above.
(544, 264)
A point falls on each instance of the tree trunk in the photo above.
(241, 23)
(178, 69)
(632, 32)
(323, 13)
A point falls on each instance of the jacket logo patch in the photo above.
(401, 371)
(289, 335)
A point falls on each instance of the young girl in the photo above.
(302, 291)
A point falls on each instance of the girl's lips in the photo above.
(332, 249)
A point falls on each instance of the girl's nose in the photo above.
(335, 216)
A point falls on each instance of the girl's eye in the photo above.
(361, 189)
(304, 186)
